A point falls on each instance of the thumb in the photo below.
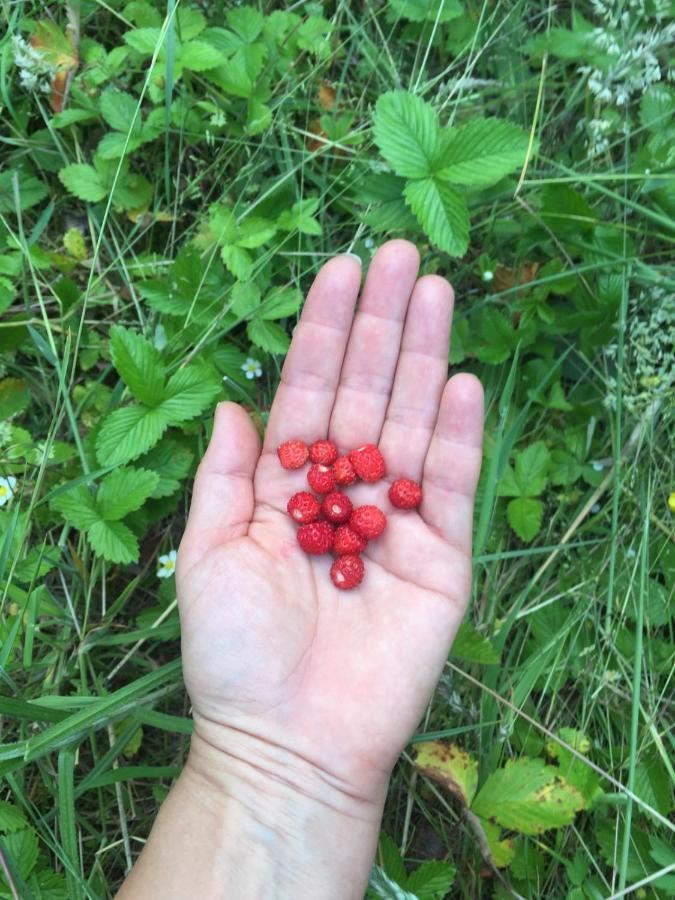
(222, 496)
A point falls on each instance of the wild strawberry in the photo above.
(344, 471)
(368, 521)
(368, 462)
(324, 452)
(347, 572)
(316, 538)
(321, 478)
(405, 493)
(304, 508)
(347, 542)
(293, 454)
(336, 507)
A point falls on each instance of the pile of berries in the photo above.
(330, 522)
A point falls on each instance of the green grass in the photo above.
(578, 602)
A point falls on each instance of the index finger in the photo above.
(311, 372)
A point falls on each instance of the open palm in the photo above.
(270, 647)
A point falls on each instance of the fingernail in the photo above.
(354, 256)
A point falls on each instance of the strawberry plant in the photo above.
(171, 178)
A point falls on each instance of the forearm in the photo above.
(257, 823)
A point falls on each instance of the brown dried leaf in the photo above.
(327, 96)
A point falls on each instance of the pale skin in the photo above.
(304, 696)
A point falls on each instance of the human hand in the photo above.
(281, 667)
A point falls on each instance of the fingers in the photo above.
(370, 361)
(420, 376)
(222, 497)
(311, 372)
(453, 462)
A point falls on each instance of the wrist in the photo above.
(294, 830)
(238, 764)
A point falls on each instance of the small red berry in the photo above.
(293, 454)
(304, 508)
(321, 478)
(336, 507)
(405, 493)
(324, 452)
(368, 521)
(316, 538)
(344, 471)
(368, 462)
(348, 542)
(347, 572)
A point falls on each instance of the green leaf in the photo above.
(572, 769)
(7, 294)
(268, 336)
(119, 110)
(123, 491)
(142, 14)
(427, 10)
(500, 337)
(238, 261)
(171, 461)
(117, 144)
(84, 182)
(450, 766)
(246, 21)
(442, 213)
(406, 132)
(72, 116)
(432, 880)
(527, 796)
(386, 888)
(657, 107)
(301, 216)
(281, 303)
(245, 298)
(21, 848)
(161, 296)
(113, 541)
(254, 231)
(30, 190)
(138, 363)
(128, 432)
(144, 40)
(531, 469)
(525, 515)
(188, 393)
(471, 646)
(198, 56)
(15, 396)
(481, 152)
(77, 506)
(133, 192)
(392, 862)
(11, 817)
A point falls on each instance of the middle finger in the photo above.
(370, 361)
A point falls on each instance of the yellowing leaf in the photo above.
(502, 852)
(528, 796)
(449, 766)
(73, 241)
(57, 48)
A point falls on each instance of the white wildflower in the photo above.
(167, 565)
(35, 73)
(7, 486)
(252, 368)
(488, 275)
